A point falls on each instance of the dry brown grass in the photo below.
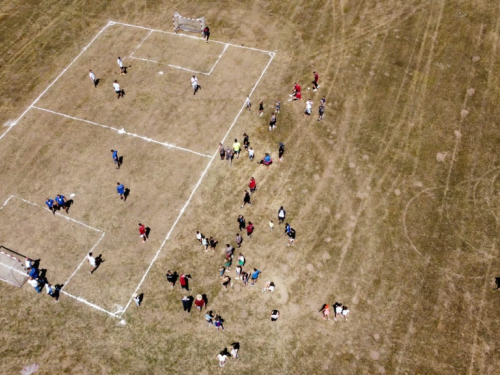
(407, 242)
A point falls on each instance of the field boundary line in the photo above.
(55, 80)
(195, 188)
(186, 36)
(122, 131)
(140, 44)
(94, 306)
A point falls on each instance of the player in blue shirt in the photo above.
(50, 204)
(116, 159)
(61, 202)
(255, 276)
(121, 190)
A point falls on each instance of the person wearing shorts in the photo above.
(170, 278)
(50, 204)
(278, 106)
(239, 240)
(250, 229)
(255, 276)
(118, 89)
(251, 154)
(236, 148)
(275, 314)
(308, 110)
(116, 159)
(337, 310)
(321, 112)
(261, 108)
(252, 185)
(281, 151)
(92, 78)
(291, 235)
(272, 122)
(244, 277)
(246, 199)
(222, 151)
(246, 141)
(241, 222)
(61, 202)
(316, 81)
(248, 103)
(326, 311)
(142, 232)
(206, 33)
(194, 84)
(241, 260)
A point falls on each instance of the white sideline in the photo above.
(55, 80)
(83, 300)
(186, 36)
(121, 131)
(196, 188)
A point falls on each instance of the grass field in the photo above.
(394, 195)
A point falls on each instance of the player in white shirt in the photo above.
(309, 104)
(248, 104)
(251, 153)
(194, 83)
(117, 88)
(123, 69)
(92, 77)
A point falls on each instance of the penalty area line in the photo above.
(93, 305)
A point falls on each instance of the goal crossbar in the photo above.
(195, 25)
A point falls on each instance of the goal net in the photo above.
(195, 25)
(12, 269)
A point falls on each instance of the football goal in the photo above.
(195, 25)
(12, 269)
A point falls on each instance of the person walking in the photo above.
(281, 215)
(287, 229)
(199, 302)
(272, 122)
(137, 299)
(143, 233)
(226, 280)
(218, 323)
(222, 358)
(222, 151)
(171, 278)
(119, 61)
(51, 291)
(238, 271)
(61, 202)
(50, 204)
(183, 280)
(337, 310)
(308, 110)
(233, 350)
(344, 312)
(186, 303)
(94, 262)
(252, 185)
(255, 276)
(92, 78)
(213, 243)
(275, 314)
(209, 316)
(261, 108)
(116, 159)
(236, 148)
(229, 251)
(291, 237)
(245, 276)
(248, 104)
(241, 222)
(206, 33)
(246, 141)
(278, 106)
(229, 262)
(194, 84)
(35, 284)
(229, 155)
(241, 260)
(199, 237)
(271, 225)
(204, 243)
(281, 151)
(118, 89)
(321, 112)
(250, 229)
(120, 189)
(315, 82)
(251, 154)
(239, 240)
(246, 199)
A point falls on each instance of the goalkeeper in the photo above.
(206, 33)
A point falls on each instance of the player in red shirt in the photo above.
(296, 92)
(316, 81)
(142, 232)
(250, 228)
(252, 185)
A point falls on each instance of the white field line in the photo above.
(195, 188)
(186, 36)
(84, 259)
(55, 80)
(140, 44)
(186, 69)
(121, 131)
(7, 201)
(142, 59)
(224, 50)
(80, 299)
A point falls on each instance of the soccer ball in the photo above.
(308, 88)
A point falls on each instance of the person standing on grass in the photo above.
(142, 232)
(238, 270)
(241, 222)
(281, 215)
(229, 251)
(199, 237)
(291, 236)
(213, 243)
(244, 277)
(233, 350)
(222, 151)
(92, 78)
(222, 357)
(137, 299)
(62, 202)
(199, 302)
(51, 291)
(118, 89)
(186, 303)
(194, 84)
(252, 185)
(50, 204)
(281, 151)
(278, 105)
(255, 276)
(251, 154)
(33, 272)
(229, 155)
(272, 122)
(229, 262)
(209, 316)
(316, 81)
(250, 229)
(171, 278)
(239, 240)
(326, 311)
(261, 108)
(236, 148)
(308, 110)
(183, 280)
(248, 104)
(206, 33)
(120, 189)
(226, 280)
(218, 323)
(287, 229)
(120, 65)
(275, 314)
(116, 159)
(35, 284)
(271, 225)
(246, 141)
(321, 112)
(246, 199)
(241, 260)
(204, 243)
(93, 262)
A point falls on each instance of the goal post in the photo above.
(12, 269)
(195, 25)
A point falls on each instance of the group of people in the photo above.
(37, 279)
(338, 310)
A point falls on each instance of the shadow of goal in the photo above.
(12, 269)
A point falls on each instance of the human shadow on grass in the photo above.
(126, 194)
(148, 231)
(497, 282)
(96, 82)
(205, 299)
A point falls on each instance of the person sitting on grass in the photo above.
(267, 160)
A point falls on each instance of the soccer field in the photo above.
(394, 195)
